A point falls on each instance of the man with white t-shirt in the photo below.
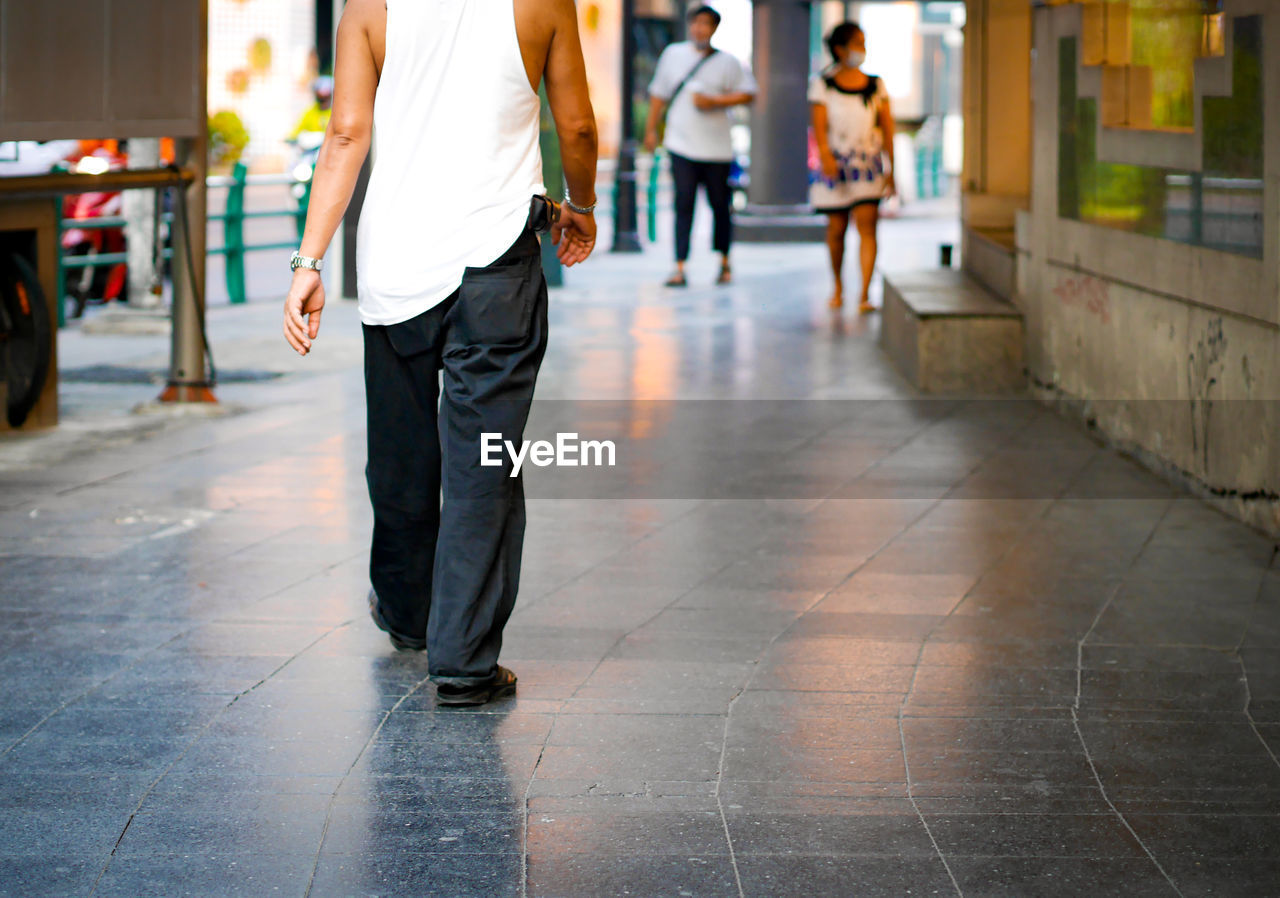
(696, 86)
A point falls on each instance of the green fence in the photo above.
(234, 246)
(233, 219)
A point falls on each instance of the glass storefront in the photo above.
(1220, 207)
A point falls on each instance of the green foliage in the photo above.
(227, 139)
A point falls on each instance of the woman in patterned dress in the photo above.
(853, 130)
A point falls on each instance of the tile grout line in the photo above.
(614, 554)
(149, 651)
(555, 716)
(1075, 708)
(902, 734)
(333, 799)
(724, 741)
(194, 741)
(146, 653)
(1244, 671)
(906, 767)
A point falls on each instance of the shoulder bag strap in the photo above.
(689, 77)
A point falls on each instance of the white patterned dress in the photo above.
(855, 138)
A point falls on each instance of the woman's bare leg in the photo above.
(866, 216)
(837, 224)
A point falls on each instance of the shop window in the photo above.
(1147, 50)
(1220, 206)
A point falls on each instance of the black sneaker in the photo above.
(502, 685)
(401, 642)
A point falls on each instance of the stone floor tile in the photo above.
(638, 826)
(1201, 836)
(1048, 877)
(455, 874)
(785, 875)
(42, 872)
(569, 874)
(900, 835)
(366, 829)
(1034, 835)
(877, 607)
(289, 824)
(1196, 876)
(246, 874)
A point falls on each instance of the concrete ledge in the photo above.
(990, 256)
(947, 334)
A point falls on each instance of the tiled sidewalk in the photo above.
(822, 639)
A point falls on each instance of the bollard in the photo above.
(944, 252)
(651, 207)
(233, 234)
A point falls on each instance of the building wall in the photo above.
(1171, 350)
(261, 63)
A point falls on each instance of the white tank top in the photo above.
(455, 154)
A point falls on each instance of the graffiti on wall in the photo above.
(1090, 293)
(1205, 366)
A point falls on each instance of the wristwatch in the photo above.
(298, 260)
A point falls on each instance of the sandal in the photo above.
(502, 685)
(676, 280)
(401, 642)
(725, 276)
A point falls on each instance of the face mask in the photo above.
(854, 59)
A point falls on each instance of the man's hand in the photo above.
(574, 234)
(651, 141)
(306, 297)
(706, 102)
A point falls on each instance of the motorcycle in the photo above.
(95, 283)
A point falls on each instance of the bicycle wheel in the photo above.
(25, 337)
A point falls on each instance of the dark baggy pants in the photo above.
(714, 177)
(449, 570)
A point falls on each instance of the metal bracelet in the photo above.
(581, 210)
(298, 260)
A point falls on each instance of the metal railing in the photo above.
(233, 218)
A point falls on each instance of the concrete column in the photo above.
(139, 214)
(780, 115)
(778, 207)
(997, 112)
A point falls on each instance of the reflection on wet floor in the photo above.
(812, 634)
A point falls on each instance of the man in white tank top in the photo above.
(451, 290)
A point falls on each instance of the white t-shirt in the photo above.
(692, 132)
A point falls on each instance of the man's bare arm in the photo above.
(657, 106)
(346, 144)
(346, 141)
(566, 79)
